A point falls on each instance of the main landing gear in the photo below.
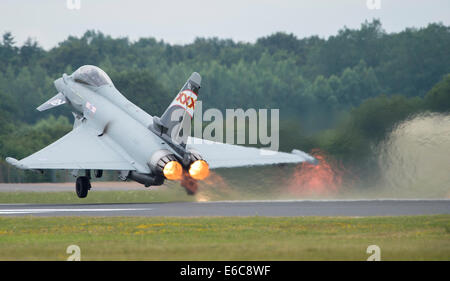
(83, 184)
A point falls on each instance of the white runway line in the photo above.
(238, 208)
(37, 211)
(323, 200)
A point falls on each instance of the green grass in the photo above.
(70, 197)
(225, 238)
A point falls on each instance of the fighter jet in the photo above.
(112, 133)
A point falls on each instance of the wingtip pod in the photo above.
(16, 163)
(309, 158)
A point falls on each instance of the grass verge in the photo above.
(225, 238)
(70, 197)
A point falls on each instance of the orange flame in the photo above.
(214, 180)
(173, 170)
(213, 187)
(199, 170)
(321, 179)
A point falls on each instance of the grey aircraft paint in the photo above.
(112, 133)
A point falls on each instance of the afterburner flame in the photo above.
(189, 183)
(320, 179)
(199, 170)
(173, 170)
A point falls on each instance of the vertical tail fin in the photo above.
(175, 122)
(185, 99)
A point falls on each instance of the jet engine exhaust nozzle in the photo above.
(173, 170)
(199, 170)
(164, 163)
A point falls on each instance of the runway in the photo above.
(237, 208)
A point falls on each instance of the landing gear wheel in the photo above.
(82, 186)
(98, 173)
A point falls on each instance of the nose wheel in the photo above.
(82, 186)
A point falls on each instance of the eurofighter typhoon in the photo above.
(111, 133)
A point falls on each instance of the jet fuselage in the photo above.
(114, 117)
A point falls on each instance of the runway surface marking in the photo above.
(359, 208)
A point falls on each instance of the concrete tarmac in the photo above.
(237, 208)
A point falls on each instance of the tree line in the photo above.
(341, 93)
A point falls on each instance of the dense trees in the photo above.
(438, 98)
(366, 125)
(340, 93)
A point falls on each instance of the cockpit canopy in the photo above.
(92, 76)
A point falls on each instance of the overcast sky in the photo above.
(180, 21)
